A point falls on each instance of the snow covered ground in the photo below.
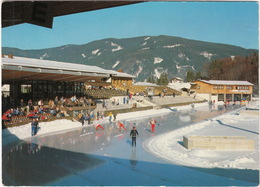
(167, 146)
(236, 123)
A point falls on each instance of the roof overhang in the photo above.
(24, 69)
(41, 13)
(227, 82)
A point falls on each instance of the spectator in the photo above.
(30, 104)
(56, 100)
(32, 115)
(6, 118)
(40, 103)
(62, 100)
(22, 104)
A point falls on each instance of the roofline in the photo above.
(12, 63)
(223, 82)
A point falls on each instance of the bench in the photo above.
(218, 142)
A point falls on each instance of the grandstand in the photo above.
(104, 93)
(32, 80)
(141, 88)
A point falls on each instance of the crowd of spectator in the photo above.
(42, 110)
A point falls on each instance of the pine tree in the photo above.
(190, 76)
(163, 80)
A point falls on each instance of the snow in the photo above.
(173, 46)
(145, 84)
(167, 146)
(83, 55)
(43, 56)
(64, 47)
(179, 68)
(147, 38)
(179, 85)
(224, 82)
(117, 62)
(94, 52)
(157, 73)
(144, 43)
(207, 55)
(140, 69)
(146, 48)
(183, 56)
(157, 60)
(116, 45)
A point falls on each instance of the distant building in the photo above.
(222, 90)
(184, 87)
(176, 80)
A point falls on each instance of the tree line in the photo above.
(235, 68)
(232, 68)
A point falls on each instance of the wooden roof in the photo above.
(42, 12)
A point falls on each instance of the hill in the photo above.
(140, 56)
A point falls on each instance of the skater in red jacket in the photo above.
(99, 126)
(153, 122)
(120, 125)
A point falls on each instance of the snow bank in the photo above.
(169, 146)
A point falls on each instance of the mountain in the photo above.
(140, 56)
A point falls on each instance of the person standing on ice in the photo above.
(120, 125)
(134, 133)
(153, 122)
(110, 117)
(34, 127)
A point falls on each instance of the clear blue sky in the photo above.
(234, 23)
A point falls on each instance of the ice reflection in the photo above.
(32, 164)
(133, 160)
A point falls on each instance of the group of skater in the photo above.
(133, 132)
(98, 126)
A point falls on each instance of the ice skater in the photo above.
(134, 133)
(114, 114)
(34, 125)
(97, 126)
(153, 122)
(110, 117)
(120, 125)
(82, 119)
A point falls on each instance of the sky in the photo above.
(234, 23)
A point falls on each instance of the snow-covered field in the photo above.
(167, 146)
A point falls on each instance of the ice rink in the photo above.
(86, 157)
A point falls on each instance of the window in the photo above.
(26, 88)
(6, 90)
(242, 88)
(229, 97)
(229, 87)
(218, 87)
(220, 97)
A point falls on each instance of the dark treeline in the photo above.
(235, 68)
